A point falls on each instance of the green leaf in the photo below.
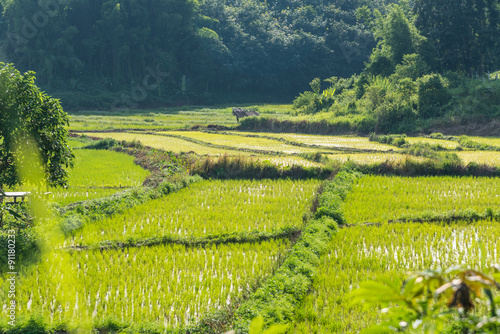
(256, 325)
(276, 329)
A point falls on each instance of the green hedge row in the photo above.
(192, 241)
(277, 299)
(243, 168)
(76, 215)
(466, 142)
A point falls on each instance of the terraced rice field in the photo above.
(369, 158)
(251, 143)
(210, 208)
(379, 198)
(331, 142)
(364, 253)
(105, 169)
(492, 141)
(288, 161)
(167, 143)
(96, 174)
(169, 285)
(491, 158)
(448, 144)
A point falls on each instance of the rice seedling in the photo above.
(168, 285)
(105, 169)
(150, 119)
(69, 196)
(369, 158)
(329, 141)
(209, 208)
(362, 253)
(286, 161)
(491, 158)
(449, 144)
(251, 143)
(167, 143)
(96, 174)
(492, 141)
(379, 198)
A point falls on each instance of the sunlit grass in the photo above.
(168, 118)
(493, 141)
(491, 158)
(368, 158)
(449, 144)
(331, 142)
(170, 285)
(96, 174)
(286, 161)
(105, 169)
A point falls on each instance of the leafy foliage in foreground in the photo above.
(428, 301)
(28, 115)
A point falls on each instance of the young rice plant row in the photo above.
(169, 285)
(379, 198)
(363, 253)
(210, 208)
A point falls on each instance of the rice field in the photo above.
(379, 198)
(96, 174)
(250, 143)
(168, 143)
(363, 253)
(492, 141)
(448, 144)
(369, 158)
(166, 118)
(329, 142)
(105, 169)
(172, 285)
(209, 208)
(68, 196)
(153, 119)
(287, 161)
(491, 158)
(243, 144)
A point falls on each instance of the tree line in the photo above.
(434, 63)
(130, 52)
(206, 50)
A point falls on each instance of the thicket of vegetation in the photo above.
(433, 64)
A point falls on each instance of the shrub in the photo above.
(433, 96)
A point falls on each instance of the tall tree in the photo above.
(26, 115)
(462, 32)
(397, 37)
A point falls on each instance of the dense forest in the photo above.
(180, 51)
(434, 65)
(133, 53)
